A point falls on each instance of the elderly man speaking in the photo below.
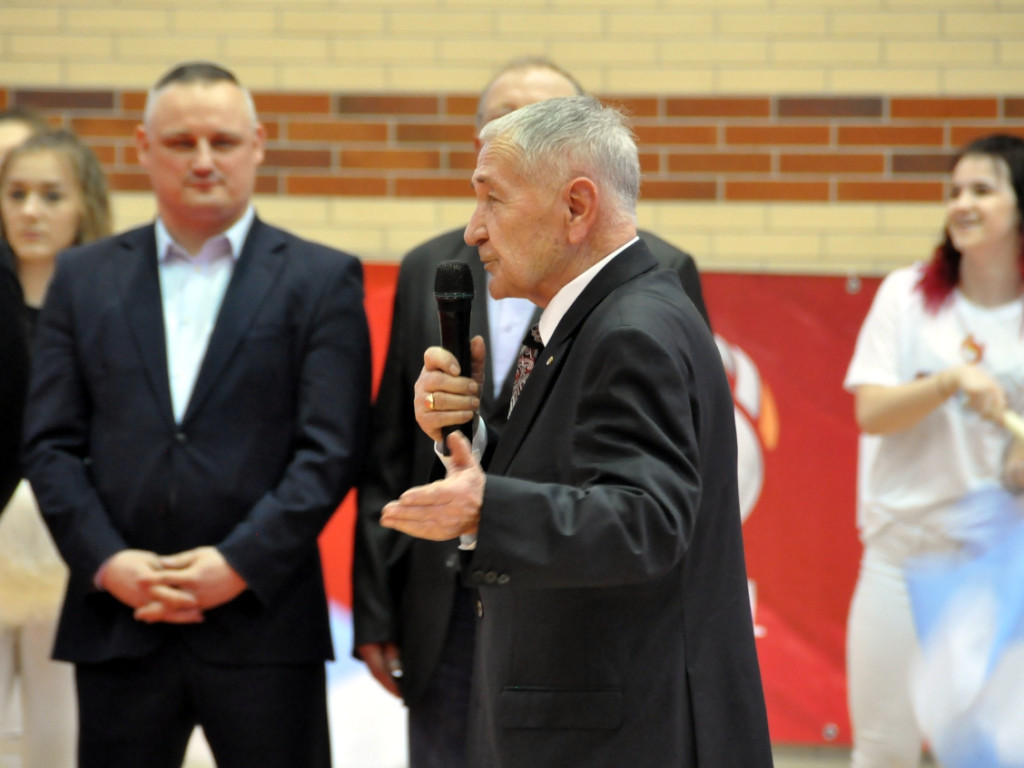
(602, 530)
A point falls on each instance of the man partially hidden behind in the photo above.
(602, 528)
(198, 407)
(409, 611)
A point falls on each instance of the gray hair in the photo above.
(573, 136)
(198, 72)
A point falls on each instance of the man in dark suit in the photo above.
(198, 408)
(613, 622)
(409, 610)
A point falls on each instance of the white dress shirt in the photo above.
(549, 320)
(192, 289)
(507, 320)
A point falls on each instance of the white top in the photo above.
(192, 289)
(911, 480)
(508, 320)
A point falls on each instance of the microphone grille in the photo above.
(453, 280)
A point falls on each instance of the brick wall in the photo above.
(793, 135)
(727, 149)
(703, 150)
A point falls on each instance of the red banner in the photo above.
(786, 342)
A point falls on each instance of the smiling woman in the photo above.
(951, 326)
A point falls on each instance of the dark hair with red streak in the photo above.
(942, 274)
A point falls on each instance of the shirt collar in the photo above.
(567, 295)
(235, 236)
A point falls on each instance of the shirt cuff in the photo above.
(478, 446)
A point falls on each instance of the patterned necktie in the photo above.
(532, 345)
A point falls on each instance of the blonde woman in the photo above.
(52, 195)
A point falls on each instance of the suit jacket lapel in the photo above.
(633, 261)
(253, 278)
(143, 307)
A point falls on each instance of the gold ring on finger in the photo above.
(430, 401)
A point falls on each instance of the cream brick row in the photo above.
(952, 51)
(627, 46)
(720, 52)
(285, 49)
(29, 47)
(115, 19)
(811, 239)
(808, 25)
(319, 24)
(826, 53)
(163, 49)
(899, 26)
(658, 25)
(40, 71)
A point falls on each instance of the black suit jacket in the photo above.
(272, 438)
(403, 588)
(615, 623)
(13, 375)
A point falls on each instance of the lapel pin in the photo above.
(550, 360)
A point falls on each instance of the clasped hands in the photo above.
(980, 391)
(448, 508)
(983, 394)
(174, 589)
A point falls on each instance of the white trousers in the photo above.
(49, 719)
(880, 645)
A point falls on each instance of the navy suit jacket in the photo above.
(272, 438)
(614, 622)
(403, 588)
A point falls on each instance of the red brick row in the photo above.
(781, 148)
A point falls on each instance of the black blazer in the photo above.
(272, 438)
(13, 375)
(403, 588)
(615, 625)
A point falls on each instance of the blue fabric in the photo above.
(968, 610)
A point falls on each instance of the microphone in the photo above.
(453, 290)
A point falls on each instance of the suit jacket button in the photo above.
(452, 561)
(181, 437)
(503, 578)
(480, 609)
(490, 577)
(477, 577)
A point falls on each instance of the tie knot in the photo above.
(533, 339)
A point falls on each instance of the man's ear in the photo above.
(141, 143)
(260, 142)
(582, 199)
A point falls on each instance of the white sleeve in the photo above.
(877, 356)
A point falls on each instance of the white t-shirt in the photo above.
(911, 480)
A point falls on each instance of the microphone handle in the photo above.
(453, 316)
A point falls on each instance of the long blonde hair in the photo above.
(86, 170)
